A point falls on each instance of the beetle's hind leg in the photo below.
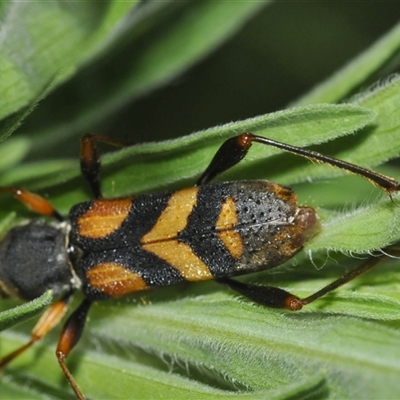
(268, 296)
(233, 150)
(278, 298)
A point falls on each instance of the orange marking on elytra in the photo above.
(104, 217)
(160, 239)
(174, 217)
(233, 243)
(226, 224)
(115, 280)
(180, 256)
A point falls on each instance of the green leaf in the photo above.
(54, 37)
(162, 164)
(151, 48)
(26, 311)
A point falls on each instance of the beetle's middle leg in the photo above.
(90, 160)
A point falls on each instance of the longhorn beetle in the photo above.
(109, 248)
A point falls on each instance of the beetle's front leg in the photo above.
(51, 317)
(69, 337)
(33, 201)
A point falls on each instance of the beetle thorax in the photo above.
(34, 259)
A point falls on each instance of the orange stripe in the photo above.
(226, 224)
(104, 217)
(172, 221)
(180, 256)
(174, 218)
(115, 280)
(228, 215)
(233, 243)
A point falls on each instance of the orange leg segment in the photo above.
(51, 317)
(34, 202)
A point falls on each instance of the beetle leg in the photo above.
(369, 264)
(90, 164)
(90, 160)
(34, 202)
(69, 337)
(231, 152)
(268, 296)
(51, 317)
(235, 149)
(278, 298)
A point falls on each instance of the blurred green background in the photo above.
(278, 55)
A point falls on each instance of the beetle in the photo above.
(109, 248)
